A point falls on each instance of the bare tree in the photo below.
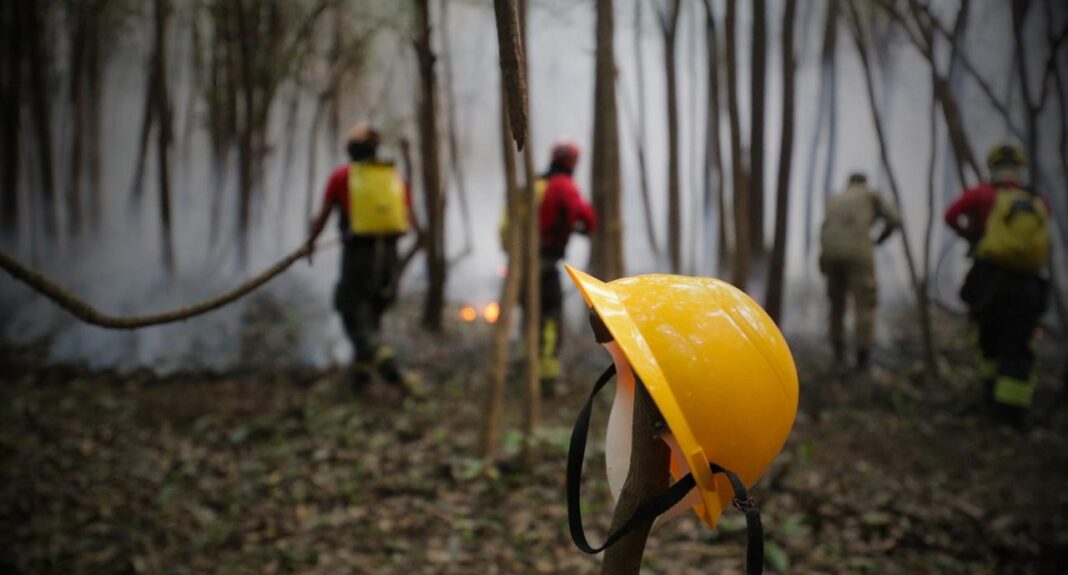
(428, 143)
(163, 145)
(606, 243)
(498, 363)
(11, 22)
(773, 298)
(643, 168)
(758, 99)
(824, 111)
(739, 178)
(455, 161)
(669, 21)
(713, 172)
(36, 29)
(918, 285)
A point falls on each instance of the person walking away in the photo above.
(373, 207)
(1007, 224)
(848, 263)
(561, 211)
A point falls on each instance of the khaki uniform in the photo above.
(847, 259)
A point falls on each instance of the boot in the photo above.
(361, 374)
(863, 359)
(839, 352)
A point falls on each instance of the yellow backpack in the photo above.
(540, 185)
(1017, 231)
(377, 202)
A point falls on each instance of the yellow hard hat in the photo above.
(715, 365)
(1006, 156)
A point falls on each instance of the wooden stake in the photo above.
(647, 476)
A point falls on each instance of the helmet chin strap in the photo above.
(656, 505)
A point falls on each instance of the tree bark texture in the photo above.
(513, 62)
(647, 475)
(498, 363)
(606, 243)
(435, 204)
(532, 275)
(739, 179)
(774, 296)
(758, 99)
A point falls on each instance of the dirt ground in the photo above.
(284, 471)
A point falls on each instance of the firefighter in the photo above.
(373, 207)
(561, 211)
(847, 260)
(1007, 224)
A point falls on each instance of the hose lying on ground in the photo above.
(91, 315)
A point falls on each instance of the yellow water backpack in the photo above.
(1017, 231)
(540, 186)
(377, 200)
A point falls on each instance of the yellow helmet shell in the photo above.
(715, 364)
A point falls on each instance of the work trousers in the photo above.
(550, 328)
(366, 289)
(1006, 305)
(851, 281)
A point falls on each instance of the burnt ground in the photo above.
(284, 471)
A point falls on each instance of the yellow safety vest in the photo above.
(377, 200)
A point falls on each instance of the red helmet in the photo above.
(566, 155)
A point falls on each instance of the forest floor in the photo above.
(284, 471)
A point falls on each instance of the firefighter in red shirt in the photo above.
(1008, 227)
(561, 212)
(373, 207)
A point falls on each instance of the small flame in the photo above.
(491, 312)
(468, 313)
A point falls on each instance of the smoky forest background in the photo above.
(156, 154)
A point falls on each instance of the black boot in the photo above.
(360, 376)
(863, 359)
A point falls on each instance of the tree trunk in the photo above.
(776, 271)
(740, 267)
(917, 284)
(823, 105)
(455, 161)
(428, 140)
(606, 243)
(713, 173)
(94, 71)
(532, 275)
(668, 27)
(76, 16)
(11, 22)
(647, 475)
(643, 168)
(756, 140)
(40, 108)
(510, 49)
(163, 145)
(498, 363)
(246, 23)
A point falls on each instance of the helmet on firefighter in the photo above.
(1006, 156)
(565, 155)
(720, 373)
